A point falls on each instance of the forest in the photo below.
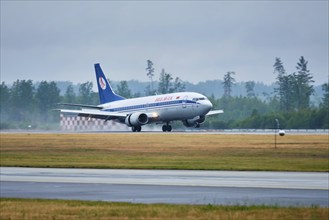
(25, 104)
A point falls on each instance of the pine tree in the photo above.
(302, 87)
(325, 99)
(284, 83)
(287, 82)
(69, 96)
(4, 101)
(22, 100)
(123, 89)
(164, 82)
(150, 74)
(85, 93)
(228, 83)
(250, 86)
(179, 86)
(47, 95)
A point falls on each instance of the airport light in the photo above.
(281, 132)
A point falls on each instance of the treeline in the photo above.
(24, 104)
(253, 113)
(290, 104)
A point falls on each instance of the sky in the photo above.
(193, 40)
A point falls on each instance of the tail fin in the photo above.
(105, 91)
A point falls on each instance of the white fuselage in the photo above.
(164, 108)
(189, 107)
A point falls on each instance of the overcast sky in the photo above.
(194, 40)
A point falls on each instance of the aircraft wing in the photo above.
(90, 113)
(215, 112)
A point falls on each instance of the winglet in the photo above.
(105, 91)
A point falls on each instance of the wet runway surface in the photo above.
(157, 130)
(168, 186)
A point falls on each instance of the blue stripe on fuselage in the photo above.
(151, 105)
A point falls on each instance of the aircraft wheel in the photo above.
(136, 128)
(164, 128)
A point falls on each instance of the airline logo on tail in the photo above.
(102, 83)
(105, 91)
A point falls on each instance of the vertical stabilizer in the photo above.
(105, 91)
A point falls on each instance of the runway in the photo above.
(168, 186)
(180, 131)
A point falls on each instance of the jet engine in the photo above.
(194, 122)
(136, 119)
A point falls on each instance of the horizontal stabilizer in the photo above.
(80, 105)
(91, 113)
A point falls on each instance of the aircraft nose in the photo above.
(209, 105)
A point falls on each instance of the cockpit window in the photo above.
(198, 99)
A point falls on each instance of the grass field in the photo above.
(166, 151)
(20, 209)
(160, 151)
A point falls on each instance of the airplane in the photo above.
(189, 107)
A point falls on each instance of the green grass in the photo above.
(160, 151)
(21, 209)
(166, 151)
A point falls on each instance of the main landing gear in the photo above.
(166, 127)
(136, 128)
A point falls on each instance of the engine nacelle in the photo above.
(136, 119)
(194, 122)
